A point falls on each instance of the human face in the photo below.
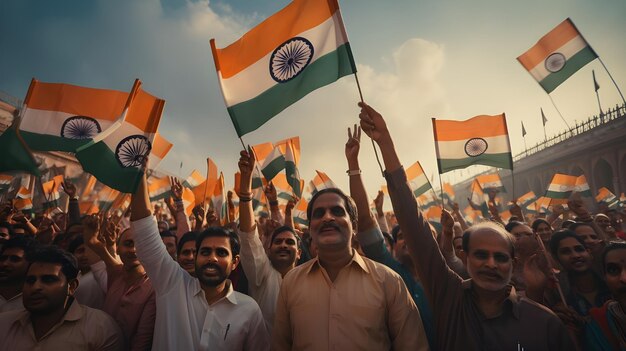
(458, 248)
(521, 230)
(162, 227)
(602, 221)
(170, 245)
(400, 250)
(4, 234)
(615, 275)
(544, 231)
(126, 250)
(489, 261)
(13, 265)
(187, 257)
(573, 256)
(215, 261)
(284, 251)
(85, 258)
(46, 288)
(588, 235)
(331, 228)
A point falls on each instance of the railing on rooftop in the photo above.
(10, 99)
(580, 128)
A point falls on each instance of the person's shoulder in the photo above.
(9, 317)
(380, 271)
(94, 315)
(298, 271)
(536, 311)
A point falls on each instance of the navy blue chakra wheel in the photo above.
(290, 58)
(476, 147)
(80, 127)
(133, 150)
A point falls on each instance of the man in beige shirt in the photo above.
(340, 300)
(53, 320)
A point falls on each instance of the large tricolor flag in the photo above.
(417, 179)
(490, 181)
(299, 49)
(605, 196)
(557, 55)
(115, 157)
(63, 117)
(479, 140)
(561, 187)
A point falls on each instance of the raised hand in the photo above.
(577, 206)
(447, 222)
(246, 163)
(291, 203)
(198, 213)
(373, 123)
(176, 188)
(212, 219)
(69, 189)
(91, 229)
(517, 211)
(270, 192)
(353, 145)
(379, 202)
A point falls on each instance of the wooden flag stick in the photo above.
(382, 171)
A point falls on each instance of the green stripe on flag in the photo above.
(250, 115)
(45, 142)
(558, 194)
(273, 168)
(502, 160)
(422, 189)
(576, 62)
(100, 161)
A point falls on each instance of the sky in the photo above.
(419, 59)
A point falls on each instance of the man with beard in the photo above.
(13, 267)
(373, 242)
(483, 312)
(202, 313)
(53, 320)
(89, 292)
(265, 271)
(353, 302)
(130, 298)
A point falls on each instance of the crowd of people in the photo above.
(352, 279)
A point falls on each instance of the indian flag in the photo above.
(218, 199)
(605, 196)
(557, 55)
(479, 140)
(63, 117)
(301, 48)
(448, 192)
(160, 148)
(91, 183)
(561, 186)
(24, 193)
(295, 147)
(5, 181)
(471, 215)
(542, 205)
(426, 200)
(23, 204)
(299, 212)
(582, 186)
(204, 191)
(273, 164)
(417, 179)
(115, 157)
(88, 207)
(51, 191)
(189, 201)
(194, 179)
(321, 181)
(122, 201)
(292, 155)
(526, 199)
(106, 198)
(283, 189)
(433, 216)
(479, 198)
(159, 188)
(490, 181)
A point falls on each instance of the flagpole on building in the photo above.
(613, 80)
(382, 171)
(543, 121)
(559, 112)
(596, 88)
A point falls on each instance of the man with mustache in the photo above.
(483, 312)
(353, 303)
(265, 272)
(196, 313)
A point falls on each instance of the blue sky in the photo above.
(416, 60)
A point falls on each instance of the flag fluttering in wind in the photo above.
(51, 191)
(159, 188)
(479, 140)
(15, 154)
(526, 199)
(194, 179)
(106, 198)
(292, 152)
(561, 187)
(301, 48)
(63, 117)
(160, 148)
(321, 181)
(605, 196)
(557, 55)
(273, 164)
(218, 199)
(433, 216)
(582, 186)
(24, 199)
(299, 212)
(426, 200)
(479, 199)
(417, 179)
(204, 191)
(5, 181)
(596, 86)
(544, 120)
(523, 130)
(490, 181)
(448, 192)
(115, 157)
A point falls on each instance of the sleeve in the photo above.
(373, 245)
(142, 340)
(403, 318)
(560, 338)
(99, 270)
(258, 338)
(281, 332)
(73, 211)
(438, 280)
(182, 222)
(254, 260)
(108, 336)
(164, 273)
(382, 223)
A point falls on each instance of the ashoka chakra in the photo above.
(132, 150)
(475, 147)
(80, 127)
(555, 62)
(290, 58)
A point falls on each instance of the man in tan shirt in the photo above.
(53, 320)
(340, 300)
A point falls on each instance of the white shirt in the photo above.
(184, 319)
(89, 292)
(12, 304)
(263, 280)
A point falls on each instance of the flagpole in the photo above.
(441, 190)
(557, 110)
(382, 171)
(613, 80)
(543, 122)
(596, 87)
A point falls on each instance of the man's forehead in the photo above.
(487, 239)
(328, 200)
(215, 242)
(45, 268)
(569, 242)
(13, 251)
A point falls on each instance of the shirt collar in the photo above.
(356, 260)
(511, 302)
(74, 313)
(230, 293)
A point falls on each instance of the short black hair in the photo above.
(566, 223)
(579, 224)
(78, 241)
(55, 255)
(169, 234)
(211, 232)
(389, 238)
(560, 235)
(490, 226)
(189, 236)
(394, 232)
(282, 229)
(512, 224)
(348, 203)
(537, 222)
(23, 242)
(611, 246)
(9, 226)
